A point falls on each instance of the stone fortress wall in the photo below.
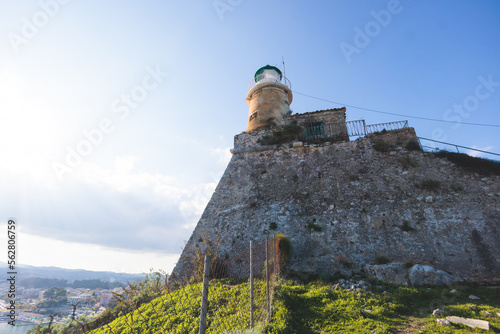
(344, 204)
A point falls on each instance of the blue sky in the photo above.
(151, 94)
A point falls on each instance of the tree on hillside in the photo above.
(56, 294)
(53, 297)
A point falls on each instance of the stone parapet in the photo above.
(250, 139)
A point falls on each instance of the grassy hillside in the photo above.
(179, 312)
(315, 307)
(319, 308)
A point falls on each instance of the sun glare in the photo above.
(28, 131)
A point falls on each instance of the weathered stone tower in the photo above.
(342, 203)
(269, 98)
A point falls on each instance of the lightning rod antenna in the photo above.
(283, 61)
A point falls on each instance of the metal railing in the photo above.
(359, 127)
(456, 147)
(262, 80)
(386, 126)
(320, 130)
(356, 128)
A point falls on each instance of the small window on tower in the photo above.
(253, 116)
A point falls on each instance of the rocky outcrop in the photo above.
(427, 275)
(396, 273)
(416, 275)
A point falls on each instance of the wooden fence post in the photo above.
(204, 298)
(251, 284)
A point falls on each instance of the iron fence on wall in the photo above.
(342, 131)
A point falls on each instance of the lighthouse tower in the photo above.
(269, 98)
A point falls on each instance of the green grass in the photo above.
(179, 311)
(317, 308)
(314, 307)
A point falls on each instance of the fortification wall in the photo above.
(344, 204)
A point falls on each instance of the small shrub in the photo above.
(382, 260)
(413, 145)
(407, 162)
(408, 265)
(363, 170)
(384, 131)
(406, 227)
(381, 146)
(282, 134)
(353, 177)
(346, 264)
(285, 249)
(430, 184)
(197, 255)
(472, 164)
(313, 227)
(266, 140)
(273, 226)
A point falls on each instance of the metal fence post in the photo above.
(204, 298)
(275, 261)
(251, 284)
(267, 279)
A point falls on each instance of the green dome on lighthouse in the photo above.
(267, 67)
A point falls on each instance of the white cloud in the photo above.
(78, 255)
(224, 155)
(119, 207)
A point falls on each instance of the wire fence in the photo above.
(230, 296)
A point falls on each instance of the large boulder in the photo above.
(418, 274)
(393, 272)
(427, 275)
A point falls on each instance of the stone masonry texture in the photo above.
(344, 204)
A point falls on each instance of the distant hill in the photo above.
(25, 271)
